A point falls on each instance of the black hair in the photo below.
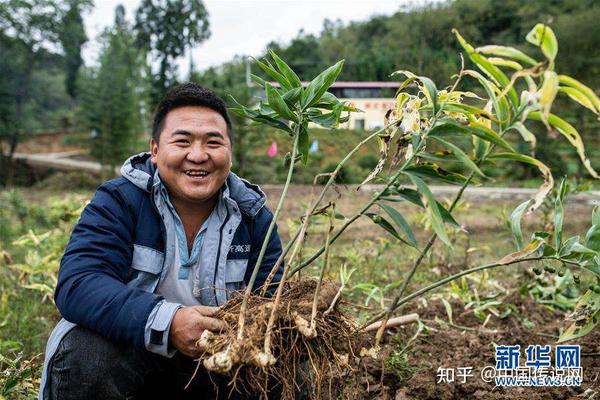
(189, 94)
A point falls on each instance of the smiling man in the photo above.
(153, 255)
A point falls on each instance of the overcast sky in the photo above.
(244, 27)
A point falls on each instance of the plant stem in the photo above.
(391, 181)
(450, 278)
(268, 235)
(300, 234)
(348, 223)
(394, 306)
(316, 203)
(417, 263)
(277, 264)
(323, 269)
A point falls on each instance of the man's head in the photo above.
(191, 144)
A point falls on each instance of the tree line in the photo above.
(44, 83)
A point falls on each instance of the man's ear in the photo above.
(153, 150)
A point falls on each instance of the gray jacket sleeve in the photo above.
(158, 325)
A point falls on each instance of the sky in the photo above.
(245, 27)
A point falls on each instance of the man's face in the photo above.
(193, 154)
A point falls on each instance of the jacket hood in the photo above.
(140, 171)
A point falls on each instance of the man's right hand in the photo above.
(188, 324)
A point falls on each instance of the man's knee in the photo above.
(87, 365)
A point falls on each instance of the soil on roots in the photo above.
(317, 362)
(466, 344)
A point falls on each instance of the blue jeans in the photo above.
(88, 366)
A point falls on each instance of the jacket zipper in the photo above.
(218, 257)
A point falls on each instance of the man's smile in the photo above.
(196, 173)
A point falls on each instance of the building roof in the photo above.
(357, 84)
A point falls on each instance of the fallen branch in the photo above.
(393, 322)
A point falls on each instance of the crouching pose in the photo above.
(153, 255)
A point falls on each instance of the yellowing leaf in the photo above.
(542, 36)
(568, 131)
(527, 251)
(505, 51)
(578, 96)
(548, 179)
(585, 316)
(575, 84)
(548, 93)
(503, 62)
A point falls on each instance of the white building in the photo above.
(373, 98)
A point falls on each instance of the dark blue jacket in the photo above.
(117, 253)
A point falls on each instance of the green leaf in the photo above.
(450, 126)
(401, 223)
(277, 103)
(431, 205)
(430, 92)
(290, 75)
(385, 224)
(542, 36)
(525, 133)
(258, 80)
(315, 89)
(434, 172)
(567, 246)
(488, 134)
(414, 197)
(569, 132)
(328, 101)
(291, 97)
(326, 120)
(592, 237)
(515, 222)
(480, 147)
(545, 188)
(261, 118)
(505, 51)
(501, 106)
(438, 156)
(577, 250)
(460, 155)
(586, 316)
(268, 68)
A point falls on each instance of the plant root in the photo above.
(322, 357)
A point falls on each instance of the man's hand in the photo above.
(187, 326)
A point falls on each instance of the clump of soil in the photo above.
(317, 362)
(450, 346)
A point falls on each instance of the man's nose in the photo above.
(197, 153)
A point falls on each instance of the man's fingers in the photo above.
(212, 324)
(207, 311)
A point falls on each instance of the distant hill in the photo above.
(420, 40)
